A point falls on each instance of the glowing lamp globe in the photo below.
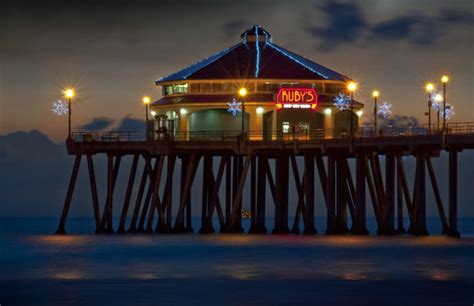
(429, 87)
(69, 93)
(146, 100)
(242, 92)
(352, 86)
(445, 79)
(375, 93)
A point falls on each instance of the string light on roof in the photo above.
(342, 101)
(234, 107)
(60, 107)
(257, 48)
(296, 60)
(385, 109)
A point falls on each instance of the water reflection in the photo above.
(68, 275)
(239, 271)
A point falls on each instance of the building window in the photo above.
(168, 90)
(205, 88)
(216, 87)
(175, 89)
(194, 88)
(180, 88)
(228, 87)
(285, 127)
(303, 127)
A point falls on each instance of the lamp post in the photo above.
(351, 87)
(146, 101)
(242, 94)
(444, 80)
(429, 88)
(375, 94)
(69, 94)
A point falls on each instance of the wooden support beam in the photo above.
(95, 198)
(148, 196)
(300, 207)
(112, 174)
(70, 192)
(323, 178)
(228, 190)
(236, 209)
(281, 177)
(390, 193)
(271, 182)
(437, 194)
(186, 190)
(331, 194)
(373, 196)
(420, 210)
(215, 203)
(400, 227)
(128, 194)
(308, 188)
(359, 226)
(453, 194)
(261, 196)
(405, 189)
(253, 193)
(206, 168)
(168, 194)
(141, 190)
(350, 190)
(379, 189)
(155, 200)
(341, 207)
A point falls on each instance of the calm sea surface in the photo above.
(37, 268)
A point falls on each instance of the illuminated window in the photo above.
(175, 89)
(168, 90)
(286, 127)
(180, 88)
(303, 127)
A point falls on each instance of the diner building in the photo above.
(276, 90)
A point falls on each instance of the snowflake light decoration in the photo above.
(234, 107)
(436, 100)
(385, 109)
(342, 102)
(60, 107)
(448, 112)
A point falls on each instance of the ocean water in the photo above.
(38, 268)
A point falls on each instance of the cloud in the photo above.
(345, 24)
(348, 24)
(130, 124)
(97, 124)
(395, 29)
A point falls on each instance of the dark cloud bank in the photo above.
(346, 23)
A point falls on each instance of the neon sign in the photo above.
(299, 98)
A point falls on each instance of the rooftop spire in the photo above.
(255, 31)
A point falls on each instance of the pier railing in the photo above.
(319, 134)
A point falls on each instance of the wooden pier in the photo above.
(267, 166)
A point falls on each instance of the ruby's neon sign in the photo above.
(305, 98)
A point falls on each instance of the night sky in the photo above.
(113, 51)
